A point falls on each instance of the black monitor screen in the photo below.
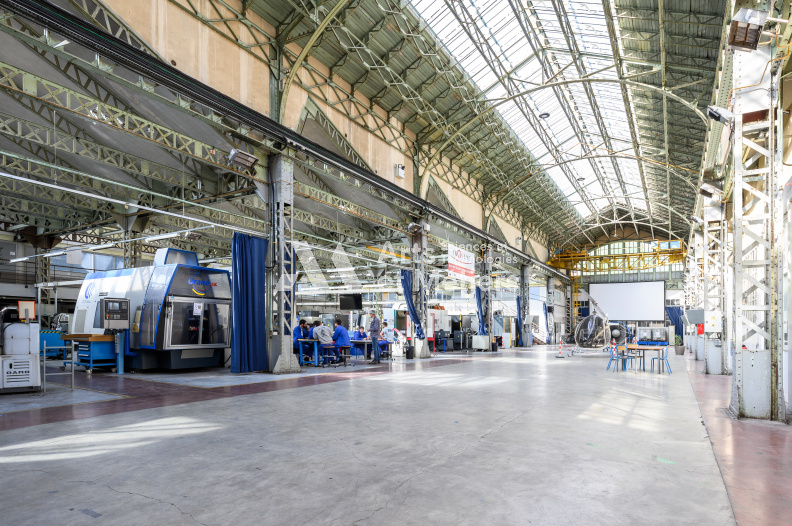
(350, 301)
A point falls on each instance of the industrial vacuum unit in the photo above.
(180, 311)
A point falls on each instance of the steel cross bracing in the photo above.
(86, 73)
(21, 82)
(423, 109)
(242, 30)
(441, 196)
(185, 107)
(393, 81)
(758, 285)
(552, 69)
(65, 176)
(713, 247)
(219, 20)
(130, 162)
(628, 107)
(485, 46)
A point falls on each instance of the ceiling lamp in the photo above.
(242, 158)
(746, 29)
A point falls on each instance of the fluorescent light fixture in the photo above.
(242, 158)
(16, 227)
(159, 237)
(746, 29)
(100, 247)
(341, 269)
(52, 254)
(19, 260)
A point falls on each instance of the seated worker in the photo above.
(382, 343)
(300, 332)
(359, 334)
(323, 334)
(340, 339)
(311, 329)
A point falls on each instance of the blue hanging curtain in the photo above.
(248, 304)
(482, 328)
(675, 315)
(407, 288)
(547, 322)
(519, 323)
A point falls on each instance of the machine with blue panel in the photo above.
(180, 311)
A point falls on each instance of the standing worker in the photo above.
(374, 328)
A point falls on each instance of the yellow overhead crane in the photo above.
(585, 260)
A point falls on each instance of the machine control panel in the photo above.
(115, 313)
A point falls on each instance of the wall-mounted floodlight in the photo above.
(242, 158)
(697, 220)
(721, 115)
(414, 228)
(746, 29)
(708, 190)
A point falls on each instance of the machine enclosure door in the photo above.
(193, 323)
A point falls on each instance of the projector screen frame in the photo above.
(617, 318)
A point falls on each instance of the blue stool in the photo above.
(665, 361)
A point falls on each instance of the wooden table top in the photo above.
(88, 337)
(635, 346)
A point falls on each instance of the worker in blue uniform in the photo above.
(340, 339)
(300, 332)
(359, 334)
(382, 343)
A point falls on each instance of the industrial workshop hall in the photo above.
(395, 262)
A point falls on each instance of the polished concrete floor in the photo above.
(519, 437)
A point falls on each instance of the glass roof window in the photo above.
(591, 184)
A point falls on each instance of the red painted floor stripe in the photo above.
(755, 457)
(144, 394)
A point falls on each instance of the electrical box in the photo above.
(115, 313)
(398, 171)
(713, 321)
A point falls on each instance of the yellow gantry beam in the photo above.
(581, 259)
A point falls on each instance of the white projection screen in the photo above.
(637, 301)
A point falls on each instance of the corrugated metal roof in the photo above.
(606, 153)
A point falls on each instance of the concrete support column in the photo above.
(284, 264)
